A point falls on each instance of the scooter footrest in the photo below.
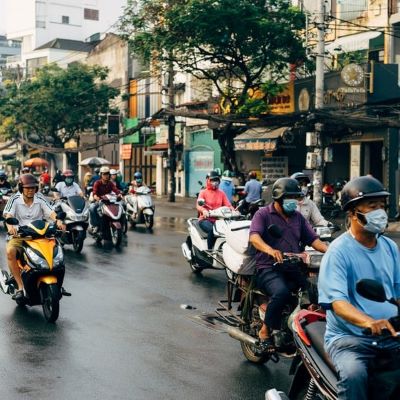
(10, 281)
(65, 293)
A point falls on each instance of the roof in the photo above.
(159, 147)
(261, 134)
(67, 44)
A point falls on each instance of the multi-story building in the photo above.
(8, 48)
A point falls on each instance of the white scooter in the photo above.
(140, 207)
(195, 248)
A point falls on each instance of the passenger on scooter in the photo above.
(227, 185)
(95, 177)
(213, 198)
(101, 187)
(115, 180)
(306, 206)
(361, 252)
(296, 232)
(27, 205)
(68, 187)
(252, 190)
(3, 181)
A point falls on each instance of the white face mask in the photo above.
(376, 220)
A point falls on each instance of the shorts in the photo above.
(15, 243)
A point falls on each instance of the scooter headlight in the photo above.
(38, 261)
(58, 257)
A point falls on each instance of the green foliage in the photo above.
(56, 104)
(237, 44)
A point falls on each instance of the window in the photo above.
(65, 19)
(91, 14)
(40, 24)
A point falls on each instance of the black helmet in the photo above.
(285, 187)
(138, 175)
(364, 187)
(213, 175)
(300, 177)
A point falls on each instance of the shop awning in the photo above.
(157, 150)
(359, 41)
(259, 139)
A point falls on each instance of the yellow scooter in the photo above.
(41, 263)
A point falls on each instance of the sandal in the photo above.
(267, 345)
(18, 295)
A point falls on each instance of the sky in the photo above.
(2, 17)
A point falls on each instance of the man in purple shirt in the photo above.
(296, 232)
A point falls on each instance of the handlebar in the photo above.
(394, 321)
(289, 259)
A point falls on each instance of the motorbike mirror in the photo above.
(200, 183)
(371, 290)
(201, 202)
(12, 221)
(61, 215)
(275, 231)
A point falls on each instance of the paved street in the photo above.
(124, 335)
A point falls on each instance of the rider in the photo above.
(3, 181)
(26, 206)
(137, 182)
(296, 232)
(101, 187)
(361, 252)
(213, 198)
(227, 185)
(252, 190)
(306, 206)
(67, 187)
(114, 178)
(95, 177)
(45, 179)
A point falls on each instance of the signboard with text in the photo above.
(273, 168)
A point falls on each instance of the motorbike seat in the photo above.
(202, 233)
(316, 332)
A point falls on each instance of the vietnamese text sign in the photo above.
(273, 168)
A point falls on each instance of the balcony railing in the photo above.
(13, 59)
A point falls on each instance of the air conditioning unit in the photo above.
(311, 160)
(311, 139)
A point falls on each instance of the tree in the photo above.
(57, 104)
(242, 46)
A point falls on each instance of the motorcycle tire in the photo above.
(50, 301)
(195, 267)
(148, 221)
(78, 242)
(116, 236)
(251, 328)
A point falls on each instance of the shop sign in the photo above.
(273, 168)
(126, 151)
(256, 145)
(201, 160)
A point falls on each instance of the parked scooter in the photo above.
(112, 217)
(140, 207)
(314, 373)
(42, 268)
(76, 219)
(195, 248)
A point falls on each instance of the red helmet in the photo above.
(68, 172)
(27, 181)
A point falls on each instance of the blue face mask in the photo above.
(376, 221)
(289, 206)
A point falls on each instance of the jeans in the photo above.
(94, 215)
(208, 227)
(351, 356)
(278, 286)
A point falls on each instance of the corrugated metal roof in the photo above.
(67, 44)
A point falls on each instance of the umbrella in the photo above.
(95, 161)
(36, 162)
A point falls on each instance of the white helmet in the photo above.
(113, 172)
(104, 170)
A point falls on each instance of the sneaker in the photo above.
(18, 295)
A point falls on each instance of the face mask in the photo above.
(68, 181)
(214, 185)
(376, 221)
(289, 206)
(304, 190)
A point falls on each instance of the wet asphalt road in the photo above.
(124, 335)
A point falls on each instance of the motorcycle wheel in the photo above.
(116, 236)
(148, 221)
(251, 328)
(195, 267)
(78, 240)
(50, 301)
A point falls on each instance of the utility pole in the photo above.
(319, 99)
(171, 134)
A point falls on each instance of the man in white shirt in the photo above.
(26, 206)
(67, 187)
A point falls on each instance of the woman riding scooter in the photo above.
(213, 198)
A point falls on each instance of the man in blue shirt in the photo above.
(360, 253)
(227, 186)
(296, 232)
(252, 188)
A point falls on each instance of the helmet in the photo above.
(137, 175)
(27, 181)
(104, 170)
(68, 172)
(25, 170)
(97, 170)
(227, 174)
(213, 174)
(3, 175)
(285, 187)
(300, 177)
(364, 187)
(252, 175)
(113, 172)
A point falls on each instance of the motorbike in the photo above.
(195, 248)
(243, 310)
(251, 208)
(41, 263)
(140, 208)
(315, 376)
(5, 194)
(76, 219)
(112, 217)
